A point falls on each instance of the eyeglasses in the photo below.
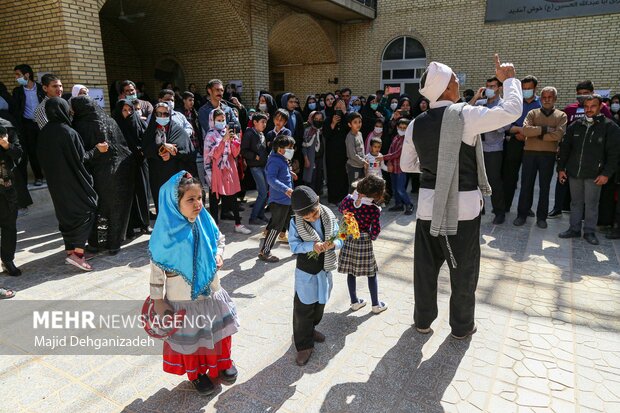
(162, 114)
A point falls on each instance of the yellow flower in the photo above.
(342, 236)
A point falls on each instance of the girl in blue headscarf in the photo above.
(186, 250)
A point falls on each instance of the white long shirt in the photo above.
(478, 119)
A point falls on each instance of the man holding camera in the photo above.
(215, 88)
(589, 156)
(493, 147)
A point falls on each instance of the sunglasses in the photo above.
(162, 114)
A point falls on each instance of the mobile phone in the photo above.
(338, 112)
(232, 126)
(404, 113)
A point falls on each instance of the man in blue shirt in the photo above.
(493, 147)
(215, 87)
(513, 149)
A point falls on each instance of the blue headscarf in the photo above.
(181, 247)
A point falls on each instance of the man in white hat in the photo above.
(443, 145)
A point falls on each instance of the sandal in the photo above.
(5, 293)
(78, 262)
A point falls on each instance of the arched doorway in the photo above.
(402, 65)
(296, 63)
(169, 70)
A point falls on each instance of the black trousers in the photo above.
(493, 166)
(30, 132)
(617, 217)
(607, 203)
(513, 154)
(533, 164)
(429, 255)
(562, 196)
(8, 224)
(305, 318)
(280, 218)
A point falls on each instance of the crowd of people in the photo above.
(191, 154)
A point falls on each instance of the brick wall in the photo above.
(559, 52)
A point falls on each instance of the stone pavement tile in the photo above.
(30, 384)
(75, 398)
(78, 366)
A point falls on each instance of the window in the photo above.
(403, 63)
(277, 81)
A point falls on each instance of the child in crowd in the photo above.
(377, 132)
(186, 251)
(280, 184)
(222, 146)
(375, 159)
(399, 178)
(254, 151)
(356, 162)
(313, 149)
(310, 230)
(279, 122)
(357, 258)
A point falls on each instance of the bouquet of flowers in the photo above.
(347, 228)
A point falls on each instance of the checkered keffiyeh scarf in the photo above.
(307, 233)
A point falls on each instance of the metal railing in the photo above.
(368, 3)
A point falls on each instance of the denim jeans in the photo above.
(399, 189)
(258, 173)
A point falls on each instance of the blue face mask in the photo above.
(374, 106)
(490, 93)
(162, 121)
(528, 93)
(356, 108)
(131, 97)
(22, 81)
(311, 106)
(219, 125)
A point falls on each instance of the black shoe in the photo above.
(396, 208)
(11, 269)
(204, 385)
(499, 219)
(229, 376)
(148, 230)
(38, 182)
(554, 214)
(541, 223)
(241, 208)
(268, 257)
(614, 234)
(227, 217)
(570, 234)
(591, 238)
(409, 210)
(531, 214)
(114, 251)
(519, 221)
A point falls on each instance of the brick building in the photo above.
(301, 46)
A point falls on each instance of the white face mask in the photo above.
(262, 107)
(401, 132)
(288, 153)
(615, 107)
(490, 93)
(378, 130)
(394, 106)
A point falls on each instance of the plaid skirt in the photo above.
(357, 257)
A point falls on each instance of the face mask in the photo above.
(288, 153)
(490, 93)
(321, 104)
(374, 106)
(356, 108)
(581, 99)
(401, 132)
(378, 130)
(311, 106)
(393, 106)
(262, 107)
(318, 124)
(22, 81)
(131, 97)
(219, 125)
(528, 93)
(615, 107)
(162, 121)
(589, 120)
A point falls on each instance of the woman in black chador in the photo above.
(61, 153)
(109, 160)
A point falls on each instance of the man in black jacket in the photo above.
(589, 156)
(254, 151)
(10, 152)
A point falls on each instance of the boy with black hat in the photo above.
(10, 153)
(310, 230)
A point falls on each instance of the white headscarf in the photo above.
(438, 77)
(76, 90)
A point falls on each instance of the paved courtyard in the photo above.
(548, 332)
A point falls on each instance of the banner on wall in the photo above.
(97, 95)
(523, 10)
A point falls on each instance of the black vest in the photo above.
(311, 265)
(426, 132)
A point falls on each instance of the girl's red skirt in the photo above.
(203, 360)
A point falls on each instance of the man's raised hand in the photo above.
(503, 71)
